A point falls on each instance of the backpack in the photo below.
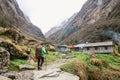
(38, 52)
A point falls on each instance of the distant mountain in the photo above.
(12, 16)
(53, 30)
(59, 32)
(90, 22)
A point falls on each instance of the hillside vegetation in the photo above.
(13, 41)
(94, 67)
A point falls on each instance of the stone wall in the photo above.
(4, 60)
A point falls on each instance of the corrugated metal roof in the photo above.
(99, 44)
(95, 44)
(79, 45)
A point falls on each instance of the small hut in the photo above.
(99, 47)
(62, 48)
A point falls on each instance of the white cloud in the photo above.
(48, 13)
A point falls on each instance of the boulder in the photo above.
(14, 50)
(4, 78)
(26, 67)
(4, 60)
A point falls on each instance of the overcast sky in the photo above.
(48, 13)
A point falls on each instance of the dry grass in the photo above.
(109, 75)
(96, 62)
(80, 69)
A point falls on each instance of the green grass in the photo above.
(15, 63)
(112, 60)
(78, 55)
(51, 57)
(67, 67)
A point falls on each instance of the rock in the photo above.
(12, 76)
(15, 52)
(4, 78)
(23, 75)
(26, 67)
(4, 60)
(54, 74)
(50, 73)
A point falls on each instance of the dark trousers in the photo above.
(40, 62)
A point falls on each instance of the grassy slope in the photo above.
(96, 67)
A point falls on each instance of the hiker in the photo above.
(40, 51)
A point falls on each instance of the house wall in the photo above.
(98, 49)
(61, 48)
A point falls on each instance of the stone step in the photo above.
(4, 78)
(26, 67)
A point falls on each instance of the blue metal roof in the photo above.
(80, 45)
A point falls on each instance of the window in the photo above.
(96, 48)
(106, 47)
(88, 48)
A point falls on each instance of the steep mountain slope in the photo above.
(53, 30)
(94, 17)
(17, 33)
(65, 29)
(12, 16)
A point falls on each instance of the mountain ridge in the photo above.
(87, 26)
(12, 16)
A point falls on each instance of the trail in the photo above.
(53, 72)
(48, 72)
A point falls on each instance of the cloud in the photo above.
(48, 13)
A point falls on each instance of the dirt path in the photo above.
(53, 72)
(49, 72)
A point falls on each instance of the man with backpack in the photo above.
(40, 51)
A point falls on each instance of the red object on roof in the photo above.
(73, 47)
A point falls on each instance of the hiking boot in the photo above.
(39, 68)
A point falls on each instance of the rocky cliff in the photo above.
(12, 16)
(90, 22)
(52, 31)
(16, 30)
(57, 34)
